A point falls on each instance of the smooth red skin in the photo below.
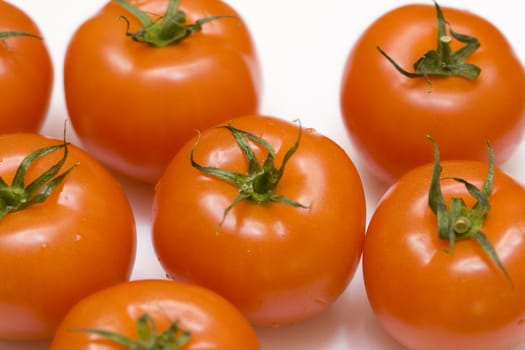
(427, 298)
(389, 115)
(26, 74)
(80, 240)
(278, 264)
(214, 322)
(133, 106)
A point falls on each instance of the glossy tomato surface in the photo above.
(428, 297)
(213, 322)
(26, 73)
(277, 263)
(388, 115)
(133, 105)
(52, 254)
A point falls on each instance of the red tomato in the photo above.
(26, 73)
(56, 252)
(388, 115)
(133, 105)
(276, 262)
(213, 322)
(428, 295)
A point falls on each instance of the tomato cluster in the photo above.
(259, 221)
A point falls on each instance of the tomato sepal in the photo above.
(17, 195)
(148, 337)
(168, 29)
(16, 33)
(260, 183)
(443, 61)
(460, 222)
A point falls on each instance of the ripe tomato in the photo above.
(55, 252)
(213, 322)
(430, 295)
(134, 105)
(388, 114)
(26, 72)
(277, 262)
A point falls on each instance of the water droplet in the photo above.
(78, 237)
(43, 245)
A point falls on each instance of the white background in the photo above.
(302, 48)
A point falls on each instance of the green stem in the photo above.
(443, 61)
(169, 29)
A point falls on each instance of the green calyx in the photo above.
(169, 29)
(148, 337)
(18, 195)
(458, 222)
(443, 61)
(13, 34)
(260, 183)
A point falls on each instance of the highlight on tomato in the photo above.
(66, 230)
(444, 254)
(141, 76)
(422, 69)
(154, 314)
(267, 214)
(26, 77)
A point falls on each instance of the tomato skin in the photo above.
(213, 322)
(133, 105)
(54, 253)
(278, 264)
(388, 115)
(26, 74)
(428, 298)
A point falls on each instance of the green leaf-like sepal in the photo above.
(460, 222)
(13, 34)
(148, 337)
(18, 195)
(443, 61)
(169, 29)
(260, 183)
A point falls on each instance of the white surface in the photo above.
(302, 47)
